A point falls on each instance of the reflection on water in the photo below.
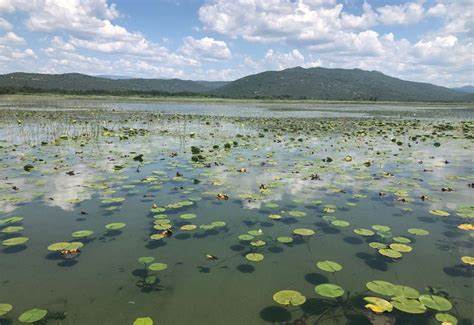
(151, 167)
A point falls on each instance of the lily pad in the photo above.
(254, 257)
(115, 226)
(33, 315)
(289, 298)
(329, 290)
(402, 248)
(158, 267)
(378, 305)
(436, 302)
(390, 253)
(340, 223)
(188, 216)
(446, 319)
(381, 287)
(5, 308)
(303, 232)
(15, 241)
(418, 231)
(381, 228)
(188, 227)
(82, 233)
(364, 232)
(61, 246)
(285, 239)
(143, 321)
(469, 260)
(146, 259)
(329, 266)
(440, 213)
(407, 305)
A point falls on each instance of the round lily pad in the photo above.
(188, 227)
(246, 237)
(378, 305)
(12, 229)
(401, 240)
(440, 213)
(11, 220)
(33, 315)
(340, 223)
(5, 308)
(62, 246)
(254, 257)
(364, 232)
(329, 290)
(218, 224)
(275, 216)
(289, 298)
(390, 253)
(303, 232)
(158, 267)
(143, 321)
(406, 292)
(446, 319)
(82, 233)
(255, 232)
(297, 214)
(436, 302)
(146, 259)
(115, 226)
(418, 231)
(377, 245)
(285, 239)
(381, 287)
(469, 260)
(257, 243)
(329, 266)
(188, 216)
(407, 305)
(381, 228)
(15, 241)
(402, 248)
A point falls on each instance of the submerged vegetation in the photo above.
(141, 214)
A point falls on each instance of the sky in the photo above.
(423, 40)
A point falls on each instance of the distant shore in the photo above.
(211, 100)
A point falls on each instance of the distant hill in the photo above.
(465, 89)
(294, 83)
(75, 82)
(334, 84)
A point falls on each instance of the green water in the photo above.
(82, 153)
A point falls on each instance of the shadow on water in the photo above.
(459, 271)
(373, 261)
(353, 240)
(316, 278)
(245, 268)
(275, 314)
(14, 249)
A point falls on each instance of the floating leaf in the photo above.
(284, 239)
(340, 223)
(329, 290)
(115, 226)
(390, 253)
(436, 302)
(188, 216)
(440, 213)
(246, 237)
(378, 305)
(377, 245)
(33, 315)
(158, 267)
(402, 240)
(254, 257)
(15, 241)
(401, 248)
(381, 287)
(289, 298)
(188, 227)
(146, 259)
(410, 306)
(143, 321)
(329, 266)
(446, 319)
(381, 228)
(82, 233)
(303, 232)
(469, 260)
(297, 214)
(257, 243)
(418, 231)
(63, 246)
(5, 308)
(364, 232)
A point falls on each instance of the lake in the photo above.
(203, 213)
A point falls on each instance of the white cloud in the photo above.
(206, 48)
(4, 24)
(407, 13)
(11, 38)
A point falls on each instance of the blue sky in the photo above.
(429, 40)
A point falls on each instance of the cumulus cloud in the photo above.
(206, 48)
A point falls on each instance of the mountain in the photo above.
(465, 89)
(294, 83)
(75, 82)
(334, 84)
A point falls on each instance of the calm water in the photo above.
(373, 165)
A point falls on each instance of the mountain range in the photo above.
(293, 83)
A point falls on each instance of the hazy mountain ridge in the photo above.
(293, 83)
